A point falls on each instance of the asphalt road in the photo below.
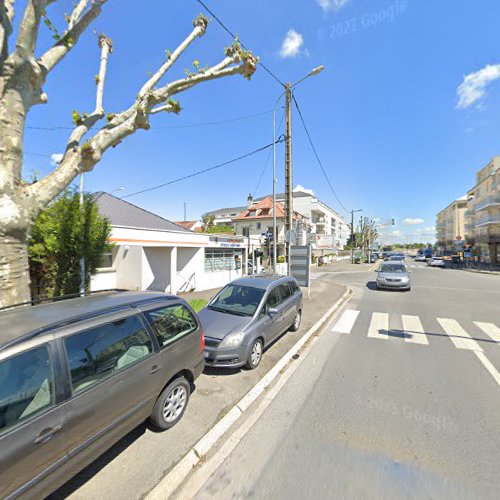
(399, 398)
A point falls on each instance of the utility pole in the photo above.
(288, 172)
(185, 219)
(352, 236)
(82, 259)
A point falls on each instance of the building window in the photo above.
(106, 259)
(245, 231)
(258, 225)
(220, 259)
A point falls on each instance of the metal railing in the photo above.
(489, 201)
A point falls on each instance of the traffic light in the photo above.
(393, 221)
(258, 253)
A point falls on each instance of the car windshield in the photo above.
(237, 299)
(393, 268)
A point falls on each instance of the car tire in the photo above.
(255, 355)
(171, 404)
(296, 322)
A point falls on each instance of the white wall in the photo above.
(190, 261)
(128, 265)
(103, 280)
(156, 269)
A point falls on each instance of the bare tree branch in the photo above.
(57, 52)
(6, 16)
(77, 13)
(28, 29)
(200, 26)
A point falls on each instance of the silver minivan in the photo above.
(246, 316)
(78, 375)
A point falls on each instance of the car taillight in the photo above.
(202, 341)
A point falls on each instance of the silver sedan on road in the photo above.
(394, 276)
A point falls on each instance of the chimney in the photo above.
(249, 201)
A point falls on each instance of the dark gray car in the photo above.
(393, 275)
(77, 375)
(246, 316)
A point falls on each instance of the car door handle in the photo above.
(47, 434)
(155, 369)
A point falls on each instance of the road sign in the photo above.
(459, 245)
(325, 241)
(300, 265)
(291, 236)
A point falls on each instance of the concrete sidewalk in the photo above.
(143, 457)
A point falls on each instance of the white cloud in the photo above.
(302, 189)
(291, 44)
(473, 88)
(55, 159)
(413, 222)
(332, 4)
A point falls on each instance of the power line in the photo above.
(225, 28)
(267, 160)
(255, 151)
(317, 156)
(191, 125)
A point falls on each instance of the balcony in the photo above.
(491, 201)
(469, 213)
(320, 221)
(441, 225)
(487, 220)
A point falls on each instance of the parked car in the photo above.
(393, 275)
(258, 270)
(373, 258)
(78, 375)
(436, 262)
(420, 258)
(246, 316)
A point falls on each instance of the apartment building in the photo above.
(482, 218)
(450, 224)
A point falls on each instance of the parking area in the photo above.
(143, 457)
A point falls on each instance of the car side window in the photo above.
(272, 301)
(95, 354)
(285, 292)
(171, 323)
(294, 288)
(26, 386)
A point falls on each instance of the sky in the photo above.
(402, 117)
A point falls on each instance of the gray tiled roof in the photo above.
(124, 214)
(230, 210)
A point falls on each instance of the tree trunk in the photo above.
(14, 270)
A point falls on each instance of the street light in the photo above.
(313, 72)
(115, 190)
(352, 233)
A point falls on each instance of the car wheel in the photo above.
(296, 322)
(255, 355)
(171, 404)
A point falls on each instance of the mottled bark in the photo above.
(14, 270)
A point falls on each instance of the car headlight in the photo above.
(232, 340)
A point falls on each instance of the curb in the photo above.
(199, 451)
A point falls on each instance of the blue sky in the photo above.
(383, 114)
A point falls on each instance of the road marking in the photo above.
(379, 326)
(458, 335)
(346, 321)
(487, 364)
(490, 329)
(414, 331)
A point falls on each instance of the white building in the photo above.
(153, 253)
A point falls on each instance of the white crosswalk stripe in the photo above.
(414, 331)
(379, 326)
(346, 321)
(490, 329)
(458, 335)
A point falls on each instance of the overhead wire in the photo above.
(205, 170)
(316, 154)
(225, 28)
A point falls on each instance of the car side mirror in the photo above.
(272, 311)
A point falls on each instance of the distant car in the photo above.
(246, 316)
(395, 258)
(436, 262)
(258, 270)
(373, 258)
(420, 258)
(394, 276)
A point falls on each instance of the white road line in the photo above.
(458, 335)
(414, 331)
(379, 326)
(487, 364)
(346, 321)
(490, 329)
